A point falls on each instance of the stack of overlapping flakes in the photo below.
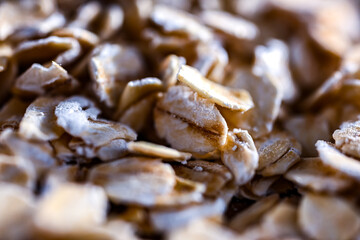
(193, 119)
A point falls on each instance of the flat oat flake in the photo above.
(90, 206)
(326, 217)
(132, 174)
(17, 207)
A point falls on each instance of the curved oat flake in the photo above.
(266, 95)
(329, 155)
(94, 132)
(182, 111)
(16, 15)
(86, 38)
(61, 50)
(176, 21)
(227, 98)
(40, 29)
(313, 174)
(157, 151)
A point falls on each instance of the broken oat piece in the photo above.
(212, 60)
(38, 80)
(94, 132)
(111, 67)
(39, 121)
(278, 151)
(169, 68)
(213, 175)
(347, 138)
(240, 156)
(134, 91)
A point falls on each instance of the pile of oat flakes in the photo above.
(193, 119)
